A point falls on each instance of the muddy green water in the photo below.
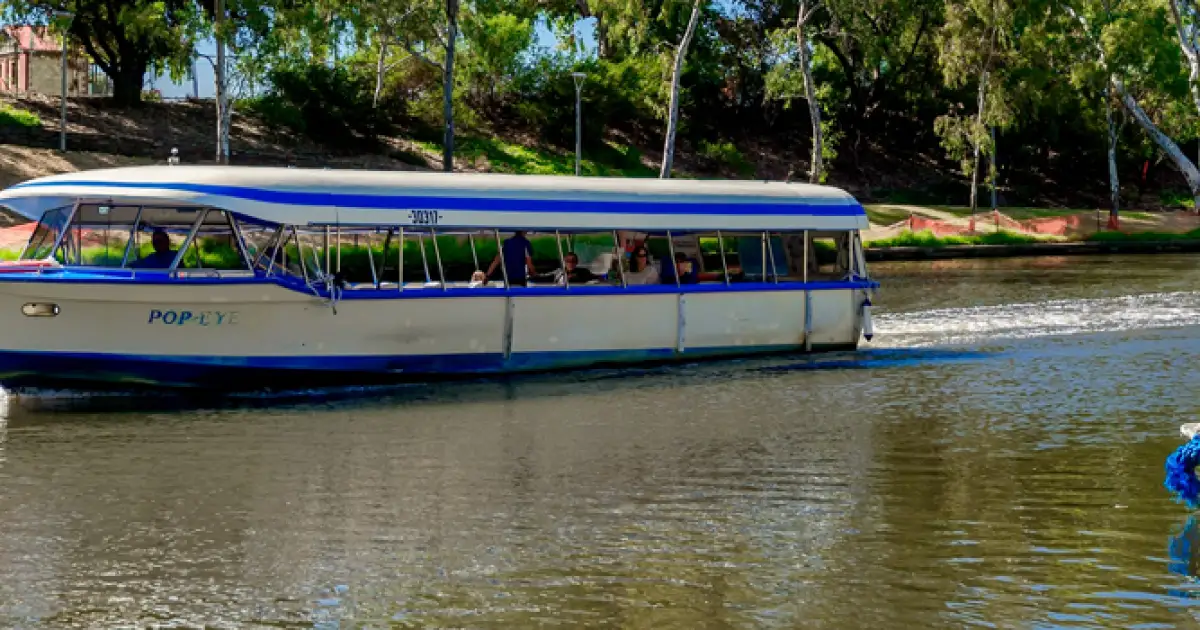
(994, 458)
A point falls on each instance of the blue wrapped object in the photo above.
(1181, 473)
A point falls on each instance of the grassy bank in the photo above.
(928, 239)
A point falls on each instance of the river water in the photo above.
(994, 457)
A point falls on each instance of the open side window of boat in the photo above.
(831, 255)
(288, 252)
(46, 235)
(213, 248)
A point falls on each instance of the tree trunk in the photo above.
(379, 68)
(817, 171)
(448, 85)
(127, 83)
(219, 72)
(976, 141)
(993, 168)
(226, 126)
(676, 76)
(1168, 146)
(1187, 44)
(603, 49)
(1114, 183)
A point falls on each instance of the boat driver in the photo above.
(163, 255)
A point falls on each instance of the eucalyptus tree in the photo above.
(976, 45)
(1139, 48)
(676, 77)
(430, 33)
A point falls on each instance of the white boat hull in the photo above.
(259, 334)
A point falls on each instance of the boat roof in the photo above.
(305, 196)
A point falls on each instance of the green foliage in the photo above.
(927, 238)
(493, 57)
(1142, 237)
(608, 160)
(13, 117)
(330, 105)
(126, 38)
(725, 155)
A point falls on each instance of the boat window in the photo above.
(829, 255)
(216, 245)
(592, 256)
(46, 233)
(367, 257)
(98, 235)
(292, 252)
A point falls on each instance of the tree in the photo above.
(495, 41)
(435, 27)
(123, 38)
(796, 43)
(1187, 20)
(882, 51)
(976, 38)
(1131, 41)
(676, 76)
(240, 27)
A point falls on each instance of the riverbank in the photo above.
(1178, 246)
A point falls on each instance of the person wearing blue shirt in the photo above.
(691, 270)
(517, 254)
(163, 255)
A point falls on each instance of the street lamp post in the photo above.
(578, 77)
(62, 122)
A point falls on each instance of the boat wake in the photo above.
(982, 324)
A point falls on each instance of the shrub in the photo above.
(726, 155)
(332, 106)
(926, 238)
(12, 117)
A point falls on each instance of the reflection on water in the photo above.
(1008, 472)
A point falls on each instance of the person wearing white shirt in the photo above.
(640, 269)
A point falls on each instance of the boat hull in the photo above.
(260, 335)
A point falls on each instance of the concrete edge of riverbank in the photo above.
(1032, 249)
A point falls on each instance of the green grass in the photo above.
(1143, 237)
(12, 117)
(885, 215)
(506, 157)
(1175, 198)
(926, 238)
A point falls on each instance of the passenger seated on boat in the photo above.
(573, 272)
(640, 269)
(163, 255)
(517, 254)
(689, 268)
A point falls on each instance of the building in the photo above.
(31, 62)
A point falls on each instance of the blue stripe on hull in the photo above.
(120, 371)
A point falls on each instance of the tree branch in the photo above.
(1186, 44)
(420, 57)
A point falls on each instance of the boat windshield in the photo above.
(46, 234)
(139, 237)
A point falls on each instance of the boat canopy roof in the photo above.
(296, 196)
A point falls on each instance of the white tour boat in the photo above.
(245, 277)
